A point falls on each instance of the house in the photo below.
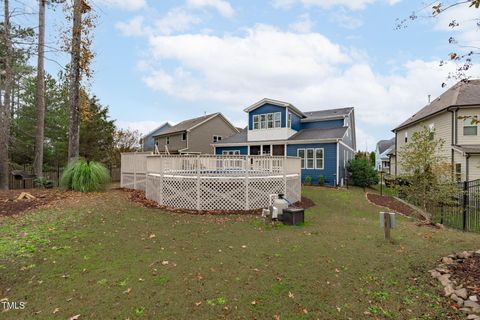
(195, 135)
(382, 154)
(324, 140)
(148, 141)
(451, 117)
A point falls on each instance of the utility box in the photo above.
(293, 216)
(392, 219)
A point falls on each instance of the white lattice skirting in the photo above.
(215, 192)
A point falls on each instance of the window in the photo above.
(470, 127)
(184, 136)
(231, 153)
(458, 171)
(217, 138)
(310, 159)
(301, 155)
(256, 122)
(269, 120)
(406, 137)
(263, 121)
(289, 120)
(319, 158)
(167, 140)
(278, 119)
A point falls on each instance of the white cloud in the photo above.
(176, 20)
(327, 4)
(124, 4)
(306, 69)
(223, 7)
(303, 25)
(345, 20)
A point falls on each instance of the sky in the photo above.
(164, 60)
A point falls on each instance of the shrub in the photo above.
(321, 180)
(85, 176)
(43, 183)
(308, 180)
(362, 172)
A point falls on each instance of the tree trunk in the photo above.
(74, 126)
(5, 107)
(40, 94)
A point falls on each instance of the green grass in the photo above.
(107, 258)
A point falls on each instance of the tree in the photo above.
(74, 126)
(464, 54)
(5, 112)
(362, 171)
(40, 94)
(429, 175)
(124, 140)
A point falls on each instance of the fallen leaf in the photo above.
(127, 291)
(305, 311)
(198, 303)
(56, 310)
(290, 295)
(254, 302)
(152, 236)
(165, 262)
(244, 246)
(75, 317)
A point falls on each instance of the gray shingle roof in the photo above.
(305, 134)
(462, 93)
(310, 134)
(383, 145)
(474, 148)
(186, 124)
(327, 114)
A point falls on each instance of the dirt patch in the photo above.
(393, 204)
(468, 274)
(138, 196)
(9, 205)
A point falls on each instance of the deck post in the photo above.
(247, 173)
(134, 171)
(198, 183)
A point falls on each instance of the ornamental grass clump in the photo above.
(85, 176)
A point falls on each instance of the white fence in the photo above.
(212, 182)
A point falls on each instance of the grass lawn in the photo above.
(103, 257)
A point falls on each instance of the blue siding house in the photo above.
(324, 140)
(148, 141)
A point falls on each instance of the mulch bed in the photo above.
(9, 205)
(393, 204)
(138, 196)
(468, 274)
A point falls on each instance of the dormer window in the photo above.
(267, 120)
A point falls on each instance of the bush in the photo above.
(85, 176)
(362, 172)
(43, 183)
(308, 180)
(321, 180)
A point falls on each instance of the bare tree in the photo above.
(5, 106)
(40, 93)
(74, 126)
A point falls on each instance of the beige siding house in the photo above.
(450, 115)
(195, 135)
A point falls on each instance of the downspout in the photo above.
(396, 153)
(338, 163)
(453, 143)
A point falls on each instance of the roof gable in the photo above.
(279, 103)
(190, 124)
(328, 114)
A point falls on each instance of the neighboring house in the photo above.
(325, 140)
(195, 135)
(450, 118)
(148, 142)
(382, 154)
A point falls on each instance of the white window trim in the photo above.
(306, 158)
(257, 119)
(302, 160)
(323, 158)
(470, 126)
(289, 120)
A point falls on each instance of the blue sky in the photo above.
(165, 60)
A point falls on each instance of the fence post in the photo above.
(247, 173)
(198, 183)
(465, 201)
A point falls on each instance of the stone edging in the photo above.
(469, 304)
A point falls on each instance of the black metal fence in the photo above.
(465, 213)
